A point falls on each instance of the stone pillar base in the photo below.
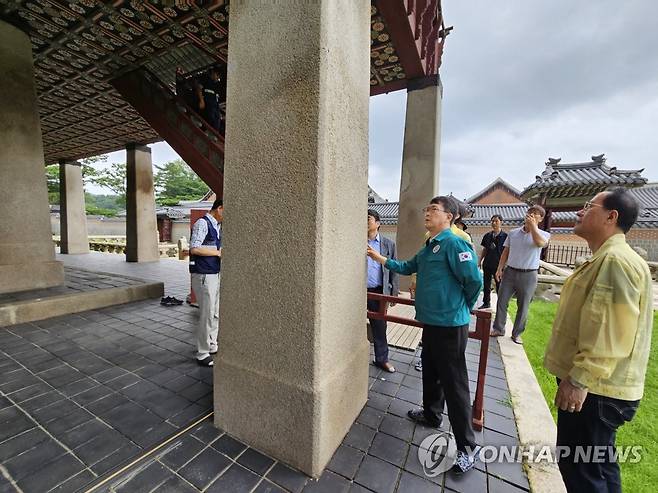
(304, 425)
(37, 275)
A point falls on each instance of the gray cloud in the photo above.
(524, 80)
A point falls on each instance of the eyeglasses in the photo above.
(425, 210)
(589, 204)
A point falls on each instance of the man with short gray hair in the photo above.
(600, 344)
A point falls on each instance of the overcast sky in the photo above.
(524, 80)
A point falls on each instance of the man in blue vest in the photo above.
(205, 264)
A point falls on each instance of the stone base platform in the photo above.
(82, 290)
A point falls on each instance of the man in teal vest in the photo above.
(447, 287)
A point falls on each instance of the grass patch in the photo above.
(642, 430)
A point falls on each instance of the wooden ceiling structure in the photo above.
(79, 46)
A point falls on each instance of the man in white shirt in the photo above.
(517, 271)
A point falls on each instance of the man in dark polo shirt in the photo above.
(492, 249)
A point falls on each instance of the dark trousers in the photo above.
(488, 275)
(595, 425)
(211, 113)
(378, 329)
(445, 380)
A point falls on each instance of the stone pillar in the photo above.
(420, 164)
(291, 375)
(27, 252)
(72, 214)
(141, 225)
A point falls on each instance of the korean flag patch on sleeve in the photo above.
(465, 256)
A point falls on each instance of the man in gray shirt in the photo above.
(517, 271)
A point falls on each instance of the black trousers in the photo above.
(378, 329)
(594, 426)
(488, 275)
(445, 380)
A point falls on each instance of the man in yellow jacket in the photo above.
(600, 344)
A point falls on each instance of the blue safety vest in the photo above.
(200, 264)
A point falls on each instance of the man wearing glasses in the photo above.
(600, 343)
(517, 271)
(382, 281)
(448, 285)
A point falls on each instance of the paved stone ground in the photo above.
(76, 281)
(81, 394)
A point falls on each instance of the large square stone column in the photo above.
(420, 163)
(27, 251)
(72, 216)
(141, 223)
(291, 375)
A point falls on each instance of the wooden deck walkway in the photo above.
(403, 336)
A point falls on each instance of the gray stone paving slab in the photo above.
(85, 393)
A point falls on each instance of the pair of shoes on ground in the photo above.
(170, 301)
(464, 462)
(385, 366)
(419, 365)
(516, 339)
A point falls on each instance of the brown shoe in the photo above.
(385, 366)
(495, 333)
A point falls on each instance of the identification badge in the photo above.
(465, 256)
(436, 249)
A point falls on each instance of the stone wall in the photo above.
(646, 239)
(98, 226)
(116, 226)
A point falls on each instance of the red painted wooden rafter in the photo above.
(418, 33)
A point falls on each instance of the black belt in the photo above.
(378, 288)
(522, 270)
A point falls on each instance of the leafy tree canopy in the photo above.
(175, 181)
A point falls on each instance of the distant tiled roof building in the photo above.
(570, 185)
(388, 211)
(497, 192)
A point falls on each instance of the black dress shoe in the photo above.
(207, 361)
(418, 415)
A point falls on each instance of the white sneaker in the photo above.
(465, 462)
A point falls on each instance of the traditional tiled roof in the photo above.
(580, 179)
(498, 181)
(374, 197)
(182, 210)
(513, 215)
(647, 195)
(388, 211)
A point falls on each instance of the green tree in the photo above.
(175, 181)
(113, 178)
(88, 175)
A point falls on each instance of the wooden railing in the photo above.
(481, 333)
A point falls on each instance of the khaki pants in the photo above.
(206, 290)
